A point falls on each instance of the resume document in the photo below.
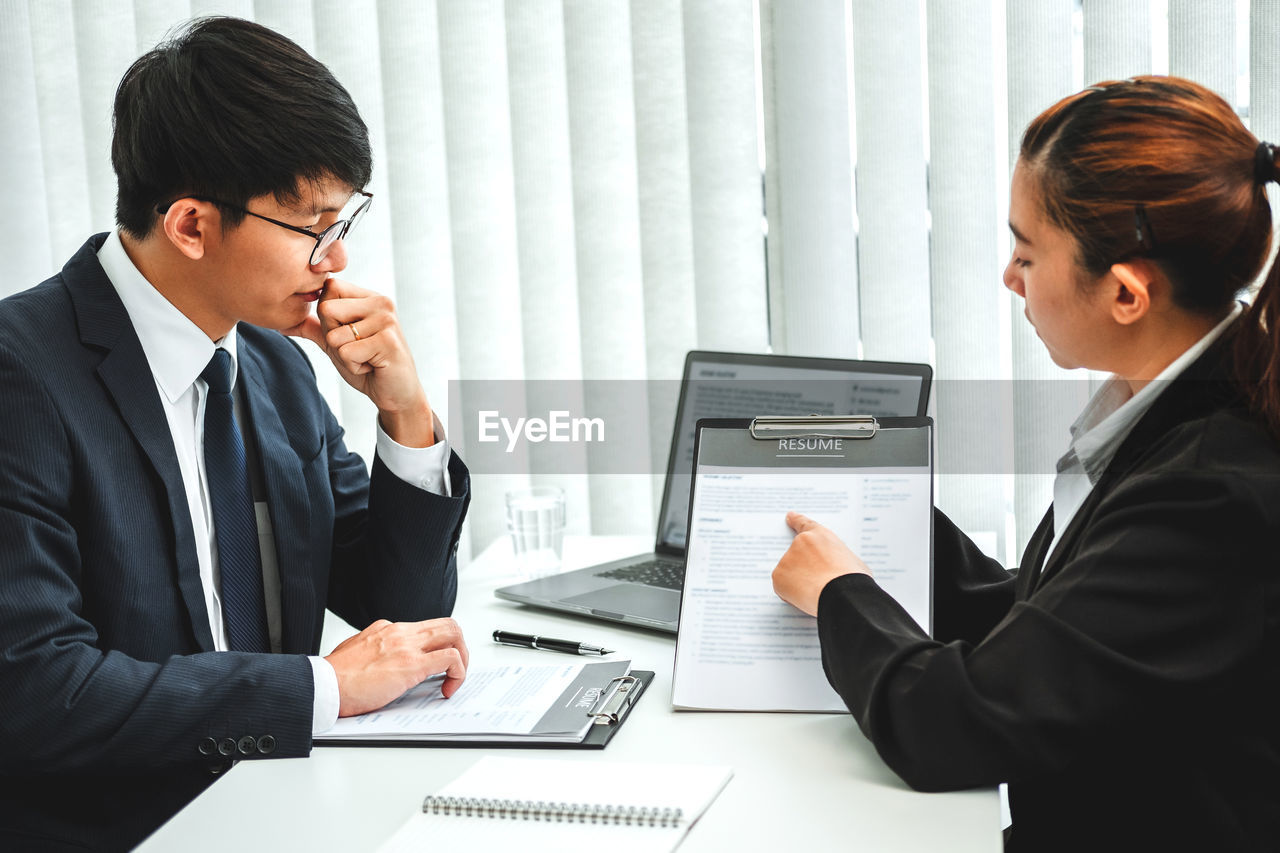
(739, 646)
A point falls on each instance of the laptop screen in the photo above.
(738, 385)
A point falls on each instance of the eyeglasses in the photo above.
(324, 240)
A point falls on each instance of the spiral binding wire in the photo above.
(552, 812)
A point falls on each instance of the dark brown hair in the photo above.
(1163, 168)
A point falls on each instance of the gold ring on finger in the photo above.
(354, 331)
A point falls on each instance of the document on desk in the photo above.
(543, 702)
(739, 646)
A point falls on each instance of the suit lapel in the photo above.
(287, 502)
(1066, 542)
(1033, 561)
(124, 371)
(1202, 388)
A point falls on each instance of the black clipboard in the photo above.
(803, 446)
(610, 710)
(852, 427)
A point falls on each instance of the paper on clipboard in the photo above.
(515, 703)
(739, 646)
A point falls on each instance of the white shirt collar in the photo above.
(1114, 410)
(176, 349)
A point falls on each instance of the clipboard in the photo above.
(610, 711)
(739, 646)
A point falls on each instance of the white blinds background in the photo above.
(26, 235)
(967, 183)
(1264, 71)
(893, 235)
(929, 253)
(1264, 81)
(567, 189)
(1117, 39)
(1039, 72)
(1194, 24)
(810, 206)
(571, 188)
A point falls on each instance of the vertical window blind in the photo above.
(587, 189)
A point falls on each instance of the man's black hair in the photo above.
(228, 109)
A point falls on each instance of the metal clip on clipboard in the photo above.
(768, 427)
(616, 700)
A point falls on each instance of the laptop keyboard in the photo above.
(660, 573)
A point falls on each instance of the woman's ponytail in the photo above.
(1257, 347)
(1162, 168)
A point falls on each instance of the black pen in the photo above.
(533, 641)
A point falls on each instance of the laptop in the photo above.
(645, 589)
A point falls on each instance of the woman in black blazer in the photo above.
(1125, 682)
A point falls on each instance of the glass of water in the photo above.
(535, 520)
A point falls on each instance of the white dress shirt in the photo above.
(1102, 427)
(177, 351)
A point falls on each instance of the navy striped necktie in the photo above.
(234, 525)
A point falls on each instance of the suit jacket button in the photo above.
(266, 744)
(226, 746)
(247, 745)
(208, 746)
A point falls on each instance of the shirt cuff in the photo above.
(327, 699)
(426, 468)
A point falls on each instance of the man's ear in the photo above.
(1135, 282)
(187, 224)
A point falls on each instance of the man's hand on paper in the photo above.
(387, 658)
(815, 558)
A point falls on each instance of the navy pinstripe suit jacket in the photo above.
(111, 688)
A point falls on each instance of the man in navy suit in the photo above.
(161, 442)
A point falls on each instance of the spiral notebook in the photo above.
(534, 804)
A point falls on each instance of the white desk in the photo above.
(800, 780)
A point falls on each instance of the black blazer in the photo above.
(1128, 690)
(117, 711)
